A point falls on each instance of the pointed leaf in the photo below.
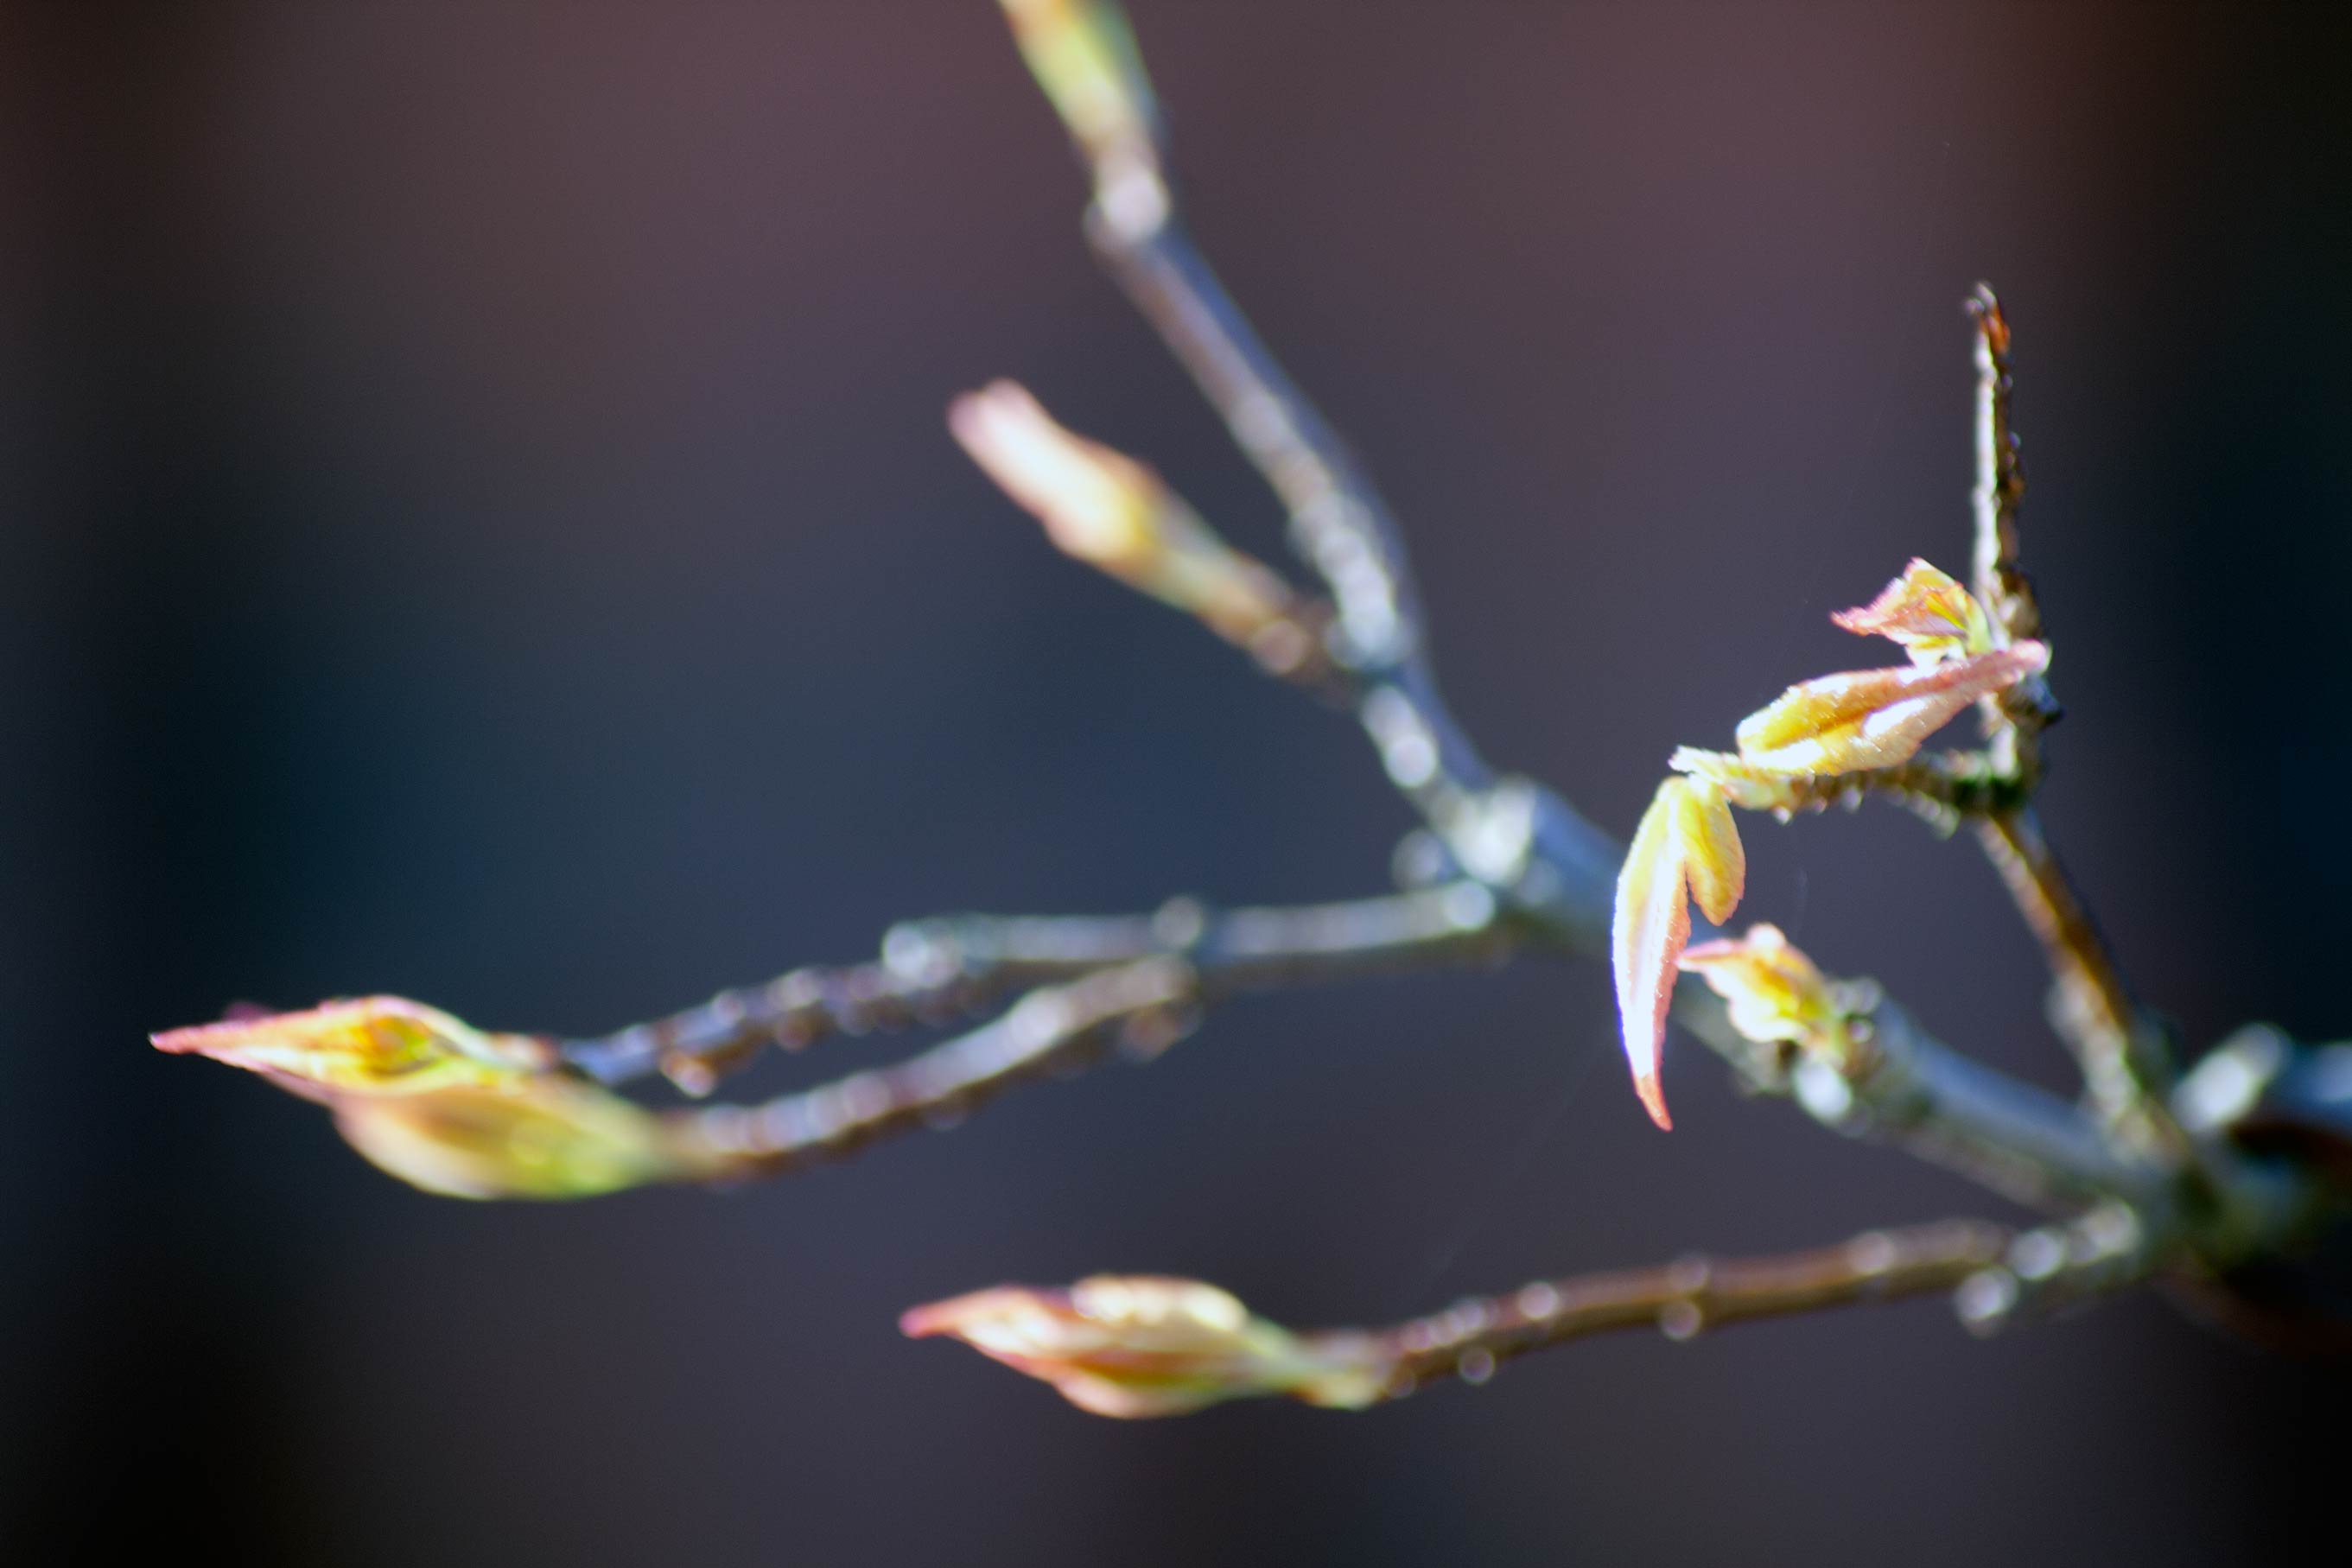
(1925, 611)
(1650, 924)
(1875, 718)
(1135, 1346)
(1714, 860)
(372, 1045)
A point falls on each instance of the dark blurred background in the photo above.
(475, 522)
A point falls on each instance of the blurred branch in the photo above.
(937, 969)
(1681, 1300)
(929, 971)
(1520, 840)
(1143, 985)
(1523, 841)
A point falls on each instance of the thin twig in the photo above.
(2121, 1054)
(929, 971)
(2106, 1249)
(2018, 716)
(1049, 1029)
(1519, 839)
(1680, 1300)
(2123, 1058)
(2006, 591)
(947, 966)
(1148, 1002)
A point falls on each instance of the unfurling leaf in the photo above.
(370, 1046)
(1686, 845)
(550, 1136)
(1927, 611)
(1875, 718)
(1134, 1346)
(1773, 992)
(1104, 509)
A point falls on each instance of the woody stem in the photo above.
(2125, 1065)
(1680, 1300)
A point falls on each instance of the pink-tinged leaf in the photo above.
(372, 1046)
(1714, 858)
(1875, 718)
(1925, 611)
(1651, 923)
(1139, 1346)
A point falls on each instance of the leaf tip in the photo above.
(1652, 1095)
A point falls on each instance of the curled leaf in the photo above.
(369, 1046)
(550, 1136)
(1133, 1347)
(1773, 991)
(1927, 611)
(1686, 845)
(1875, 718)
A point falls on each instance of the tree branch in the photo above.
(1144, 985)
(2020, 714)
(2123, 1054)
(1908, 1090)
(2125, 1059)
(1681, 1301)
(929, 971)
(1517, 837)
(1520, 840)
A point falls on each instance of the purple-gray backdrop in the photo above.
(475, 522)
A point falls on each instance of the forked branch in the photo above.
(2137, 1188)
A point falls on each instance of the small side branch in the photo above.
(1681, 1300)
(2017, 718)
(1339, 525)
(1048, 1029)
(1522, 841)
(2126, 1065)
(1143, 1001)
(929, 971)
(2006, 591)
